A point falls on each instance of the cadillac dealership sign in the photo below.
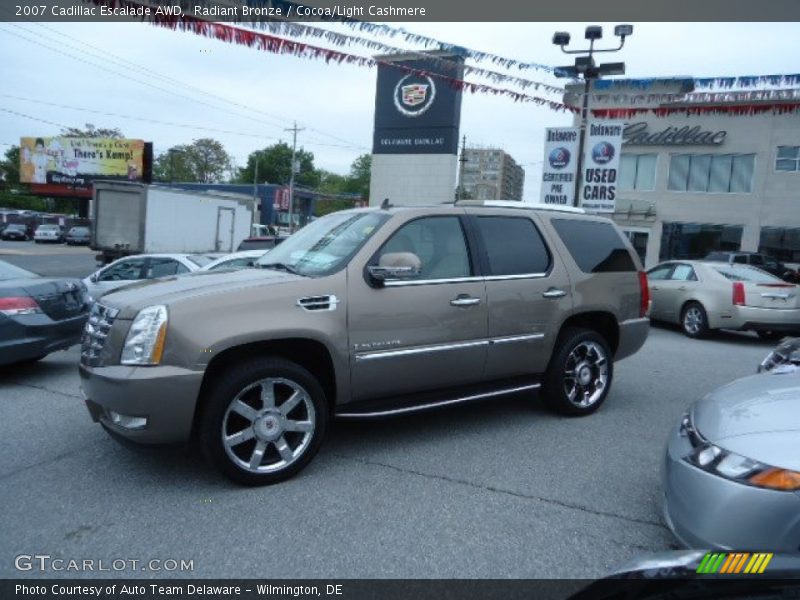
(417, 112)
(637, 134)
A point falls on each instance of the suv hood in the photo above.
(132, 298)
(757, 417)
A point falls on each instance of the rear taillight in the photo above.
(738, 293)
(644, 294)
(23, 305)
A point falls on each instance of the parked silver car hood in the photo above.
(135, 296)
(757, 417)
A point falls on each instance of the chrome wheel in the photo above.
(268, 425)
(693, 320)
(586, 374)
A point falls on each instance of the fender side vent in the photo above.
(316, 303)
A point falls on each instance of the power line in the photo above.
(127, 76)
(279, 120)
(147, 120)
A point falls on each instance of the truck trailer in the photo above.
(136, 218)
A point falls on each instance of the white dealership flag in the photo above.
(600, 166)
(560, 165)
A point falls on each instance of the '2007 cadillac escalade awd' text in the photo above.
(367, 313)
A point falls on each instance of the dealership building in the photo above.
(702, 179)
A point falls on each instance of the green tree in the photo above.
(203, 161)
(358, 181)
(9, 168)
(92, 132)
(274, 166)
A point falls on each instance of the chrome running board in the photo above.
(431, 405)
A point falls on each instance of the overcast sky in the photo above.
(77, 67)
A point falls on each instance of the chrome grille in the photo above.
(101, 318)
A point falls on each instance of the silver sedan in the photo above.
(701, 296)
(731, 473)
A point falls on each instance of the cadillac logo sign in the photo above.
(414, 94)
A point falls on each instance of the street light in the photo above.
(585, 67)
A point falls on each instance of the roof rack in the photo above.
(518, 204)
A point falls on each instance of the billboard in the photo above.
(73, 163)
(560, 165)
(600, 166)
(415, 111)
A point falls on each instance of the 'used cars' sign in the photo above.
(600, 166)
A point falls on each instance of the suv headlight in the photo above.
(144, 344)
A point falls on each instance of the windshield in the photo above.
(47, 227)
(80, 230)
(325, 245)
(744, 273)
(16, 226)
(9, 271)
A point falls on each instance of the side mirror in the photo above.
(395, 266)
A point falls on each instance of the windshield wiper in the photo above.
(280, 267)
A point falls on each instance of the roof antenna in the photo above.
(385, 205)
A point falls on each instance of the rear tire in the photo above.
(580, 373)
(694, 320)
(263, 421)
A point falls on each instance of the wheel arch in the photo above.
(310, 354)
(603, 322)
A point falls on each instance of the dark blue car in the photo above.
(38, 315)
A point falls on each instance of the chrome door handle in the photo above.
(464, 301)
(682, 288)
(653, 287)
(554, 293)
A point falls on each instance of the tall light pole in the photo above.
(585, 67)
(294, 131)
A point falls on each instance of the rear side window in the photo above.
(595, 246)
(513, 246)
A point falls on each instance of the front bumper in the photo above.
(165, 395)
(704, 510)
(28, 336)
(632, 336)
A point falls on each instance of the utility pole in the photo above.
(255, 196)
(294, 131)
(462, 160)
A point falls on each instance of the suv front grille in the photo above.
(101, 318)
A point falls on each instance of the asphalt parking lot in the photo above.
(500, 488)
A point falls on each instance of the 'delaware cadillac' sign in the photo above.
(560, 160)
(600, 166)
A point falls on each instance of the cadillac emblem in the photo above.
(414, 94)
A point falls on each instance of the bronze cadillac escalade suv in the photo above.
(367, 313)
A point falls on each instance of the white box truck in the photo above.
(136, 218)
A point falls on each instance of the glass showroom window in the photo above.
(788, 159)
(782, 243)
(716, 173)
(695, 240)
(637, 172)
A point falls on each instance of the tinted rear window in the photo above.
(595, 246)
(513, 245)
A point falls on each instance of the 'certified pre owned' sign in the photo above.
(560, 165)
(600, 166)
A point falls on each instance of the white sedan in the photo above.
(142, 266)
(236, 260)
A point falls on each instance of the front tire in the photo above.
(263, 421)
(580, 373)
(694, 320)
(770, 335)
